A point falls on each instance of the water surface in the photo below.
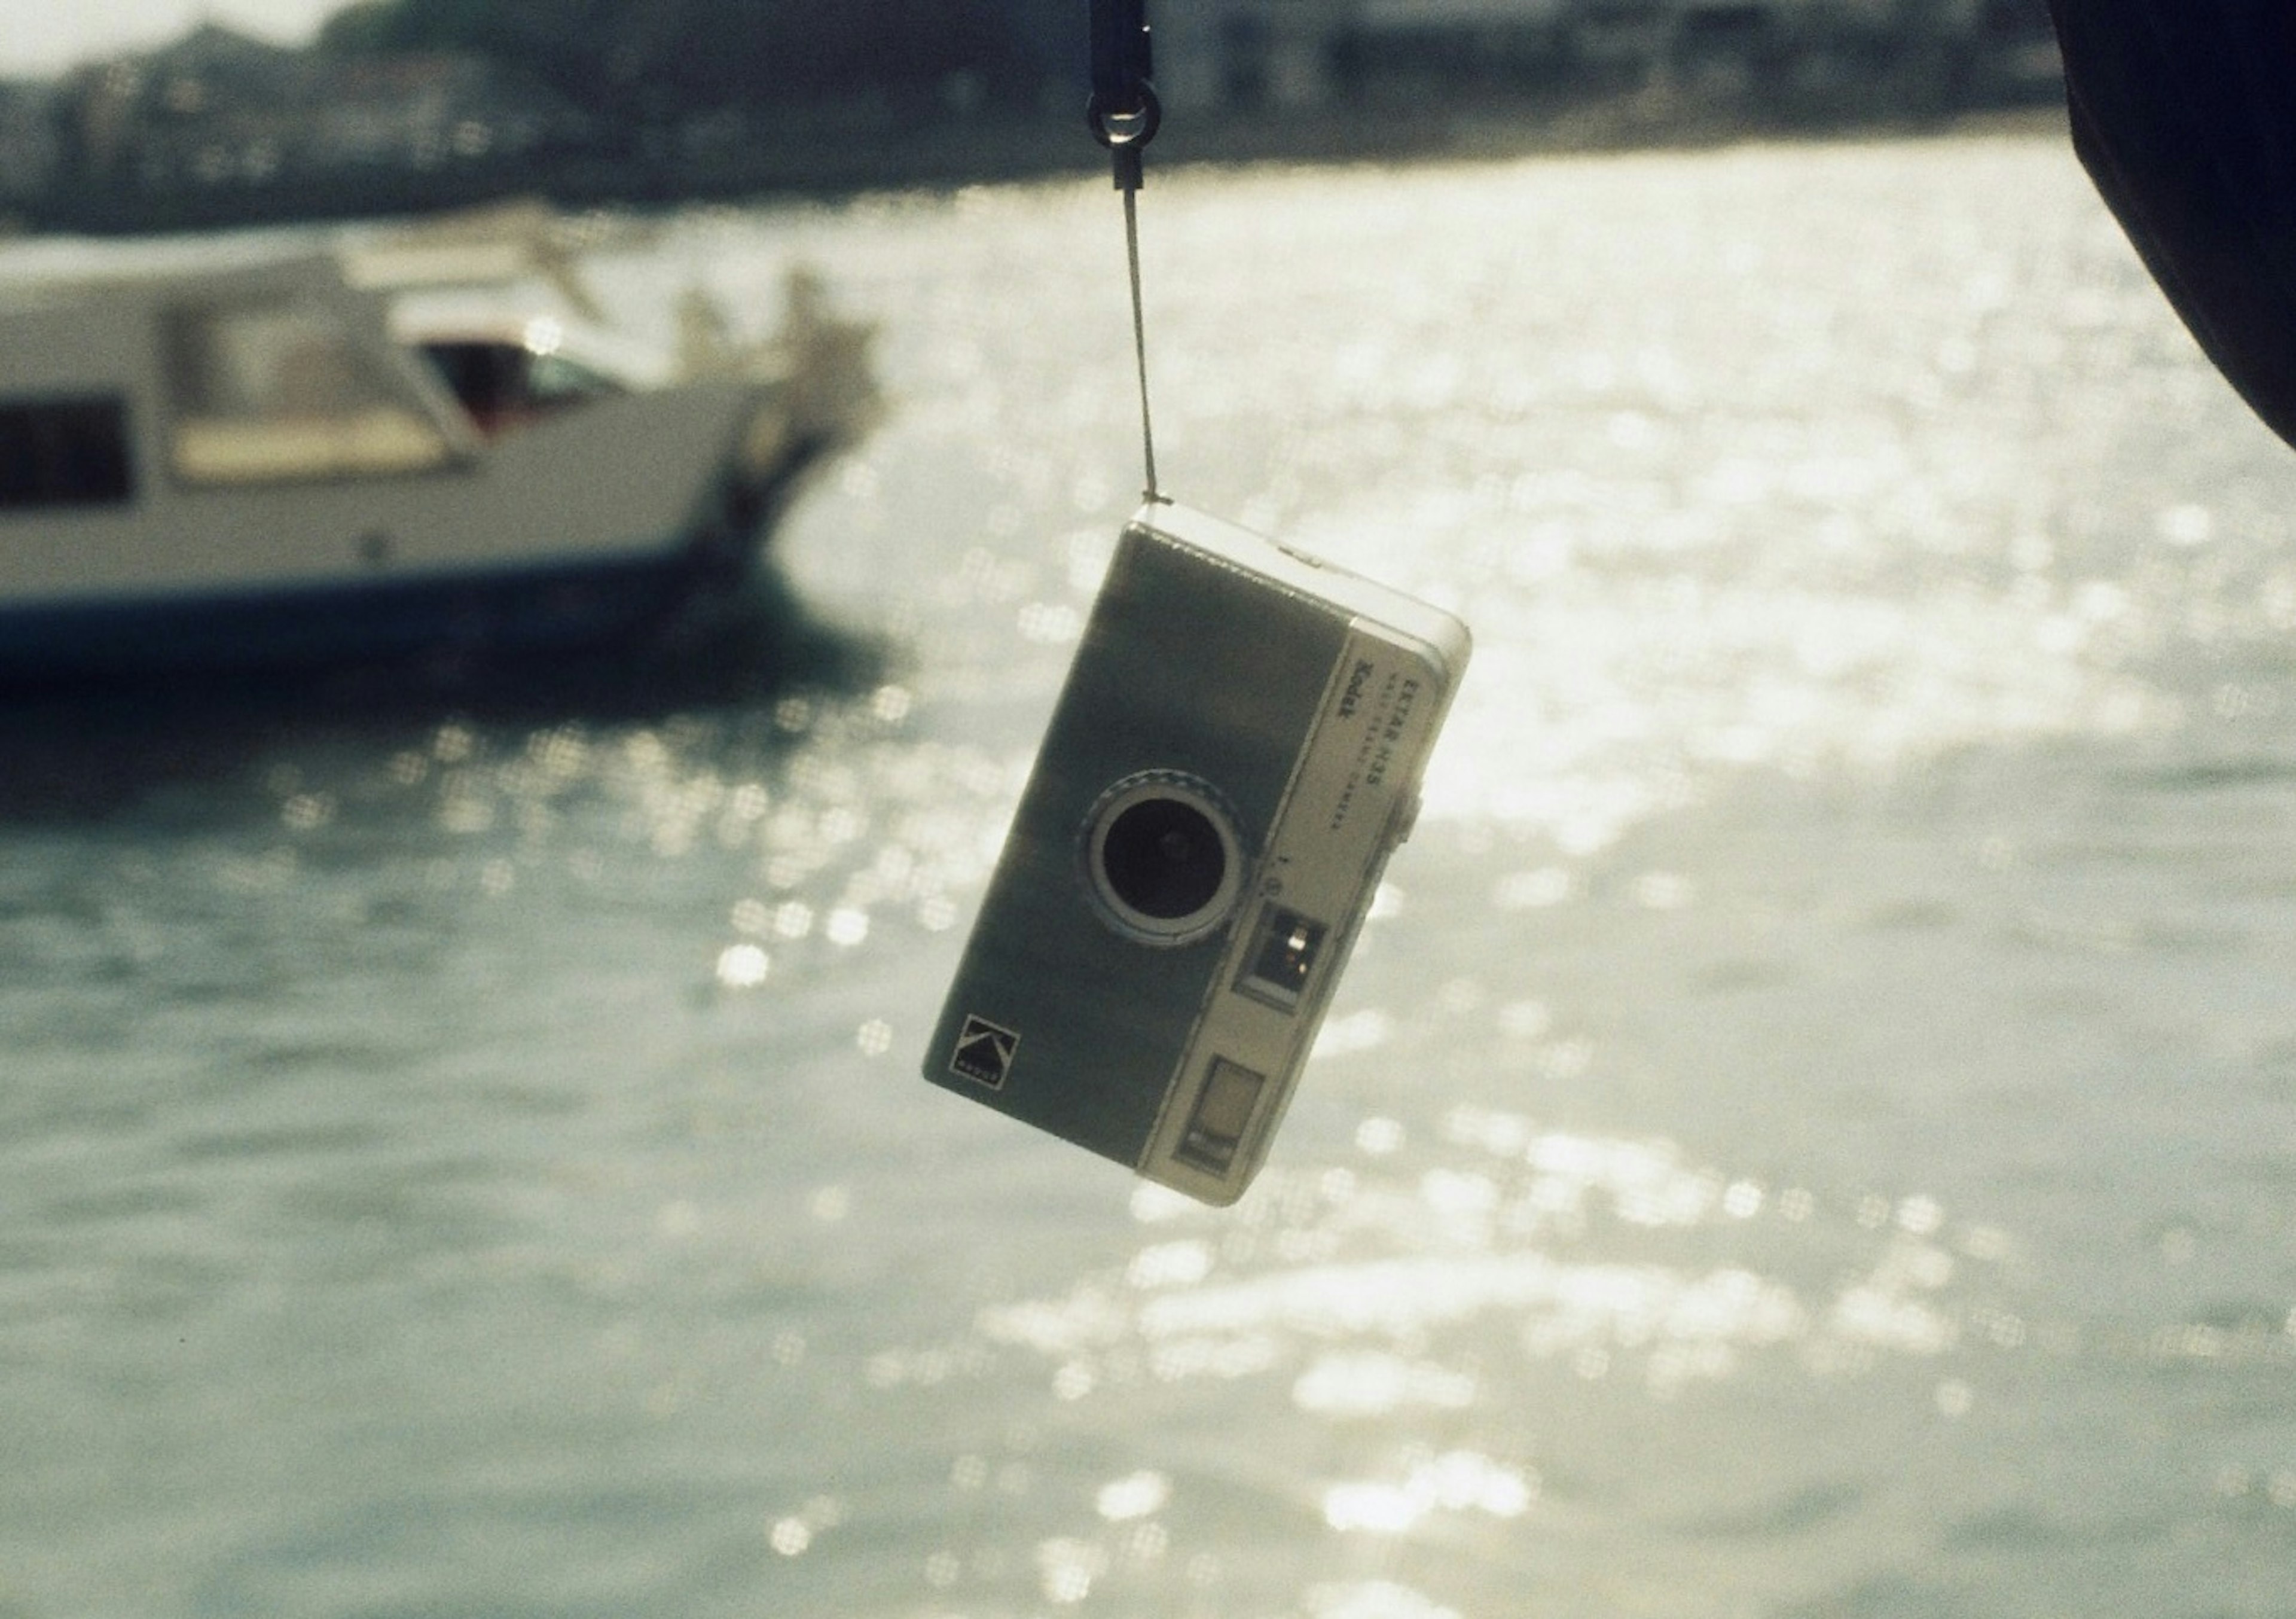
(1806, 1134)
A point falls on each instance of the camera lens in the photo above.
(1163, 858)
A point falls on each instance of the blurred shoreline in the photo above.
(829, 160)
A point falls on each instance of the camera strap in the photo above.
(1123, 115)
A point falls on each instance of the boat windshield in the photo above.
(507, 385)
(278, 390)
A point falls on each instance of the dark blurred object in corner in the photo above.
(2185, 112)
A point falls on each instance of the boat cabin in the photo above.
(270, 376)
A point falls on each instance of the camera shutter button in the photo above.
(1407, 817)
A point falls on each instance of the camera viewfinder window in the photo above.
(1282, 955)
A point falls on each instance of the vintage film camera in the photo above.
(1237, 750)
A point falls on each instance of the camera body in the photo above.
(1236, 751)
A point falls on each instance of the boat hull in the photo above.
(543, 608)
(250, 465)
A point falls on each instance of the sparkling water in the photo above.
(1807, 1132)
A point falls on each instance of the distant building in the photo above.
(218, 110)
(1276, 54)
(1416, 45)
(1247, 53)
(31, 148)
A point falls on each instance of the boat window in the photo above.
(64, 453)
(266, 392)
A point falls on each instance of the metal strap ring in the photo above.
(1136, 127)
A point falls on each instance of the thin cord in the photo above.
(1140, 335)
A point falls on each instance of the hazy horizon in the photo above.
(37, 40)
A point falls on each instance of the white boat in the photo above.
(295, 458)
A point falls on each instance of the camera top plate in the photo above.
(1436, 634)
